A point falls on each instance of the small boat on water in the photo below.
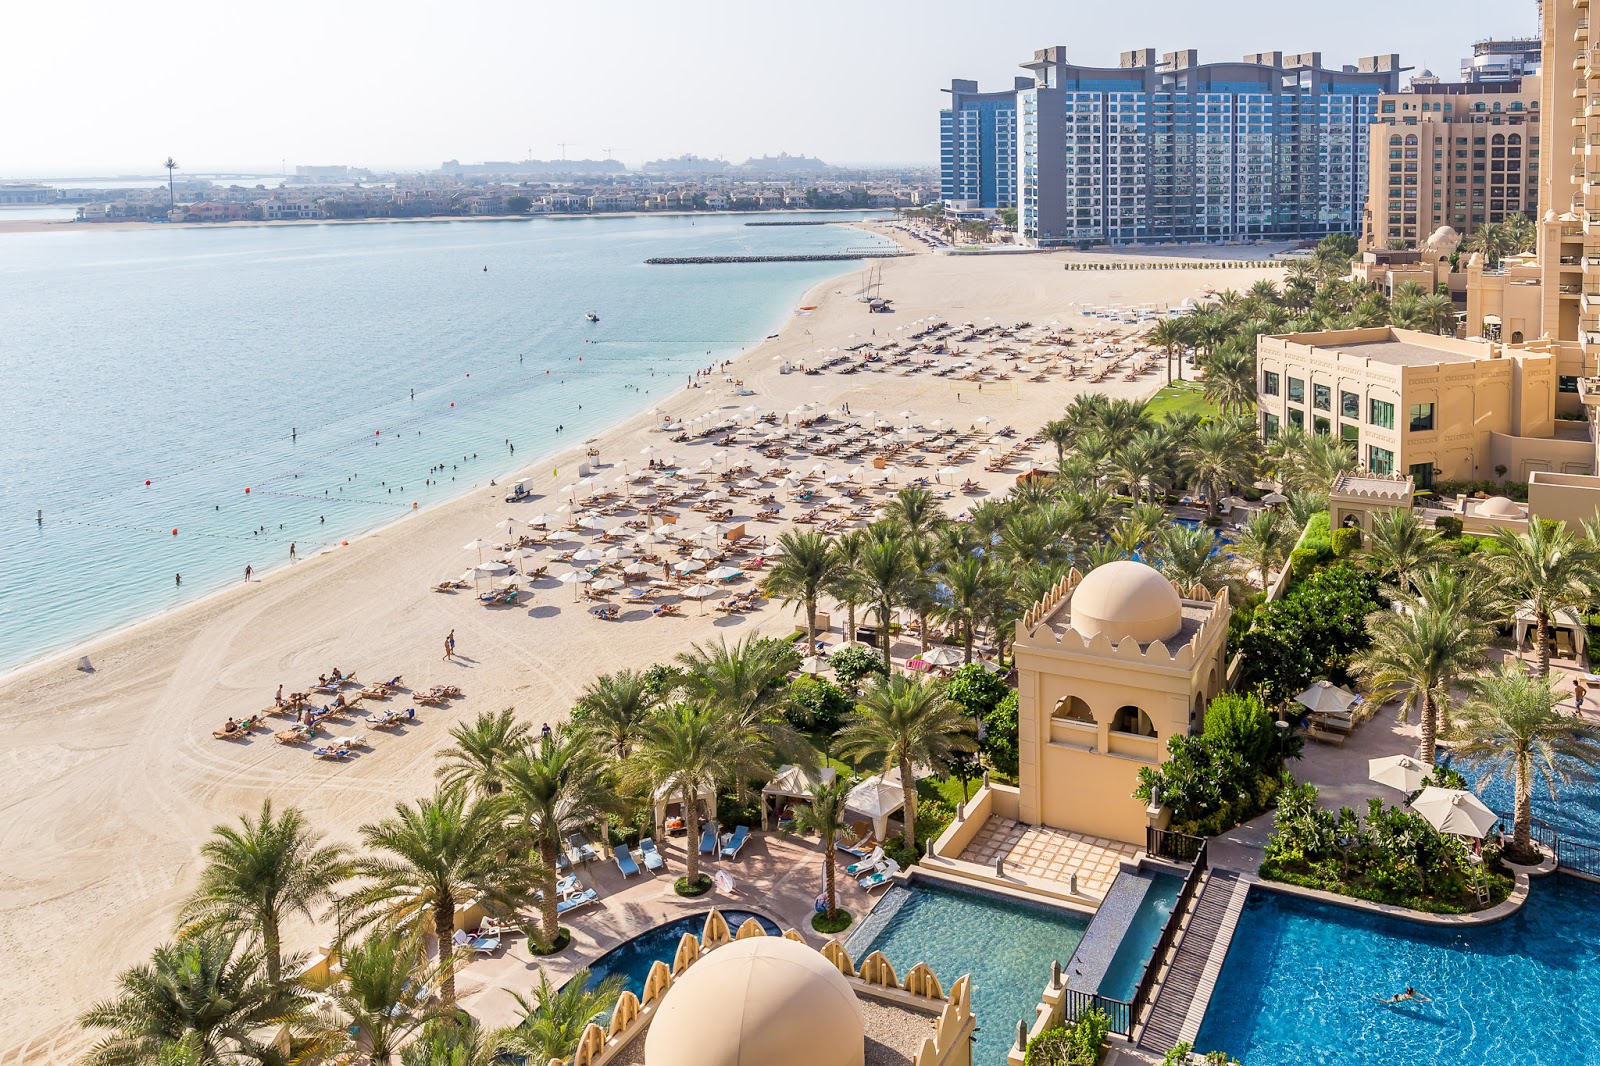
(591, 316)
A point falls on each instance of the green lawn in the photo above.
(1182, 397)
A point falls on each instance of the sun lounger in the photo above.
(332, 753)
(295, 734)
(861, 848)
(866, 865)
(708, 841)
(730, 850)
(481, 945)
(881, 877)
(625, 861)
(572, 903)
(652, 857)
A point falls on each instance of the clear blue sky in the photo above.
(106, 85)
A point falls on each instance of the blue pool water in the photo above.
(634, 959)
(1122, 976)
(1302, 979)
(1575, 811)
(1006, 945)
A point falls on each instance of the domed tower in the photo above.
(1110, 667)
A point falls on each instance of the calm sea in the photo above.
(327, 368)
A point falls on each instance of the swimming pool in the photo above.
(1575, 810)
(632, 960)
(1303, 980)
(1126, 969)
(1006, 944)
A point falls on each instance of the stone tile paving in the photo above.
(1050, 854)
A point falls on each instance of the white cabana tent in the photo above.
(878, 800)
(792, 782)
(1562, 619)
(669, 792)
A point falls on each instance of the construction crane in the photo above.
(564, 145)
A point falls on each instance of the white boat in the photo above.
(591, 316)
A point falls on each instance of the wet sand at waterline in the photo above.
(112, 779)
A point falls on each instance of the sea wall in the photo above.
(819, 257)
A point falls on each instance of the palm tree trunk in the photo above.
(1541, 638)
(272, 947)
(811, 625)
(829, 882)
(691, 820)
(850, 620)
(1522, 814)
(884, 614)
(967, 633)
(549, 920)
(922, 625)
(908, 786)
(1430, 727)
(444, 927)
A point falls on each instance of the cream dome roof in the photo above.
(1499, 507)
(1126, 599)
(762, 1001)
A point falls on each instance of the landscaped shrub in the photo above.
(815, 704)
(1448, 525)
(1078, 1043)
(1515, 490)
(1345, 541)
(1311, 632)
(1228, 774)
(976, 690)
(999, 743)
(1302, 561)
(851, 664)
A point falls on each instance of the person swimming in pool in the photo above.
(1409, 994)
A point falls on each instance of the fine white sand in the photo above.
(111, 780)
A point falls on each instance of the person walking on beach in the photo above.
(278, 699)
(450, 645)
(291, 554)
(247, 572)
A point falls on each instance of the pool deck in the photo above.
(777, 875)
(1054, 855)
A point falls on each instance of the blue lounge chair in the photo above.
(572, 903)
(730, 850)
(652, 857)
(625, 861)
(708, 841)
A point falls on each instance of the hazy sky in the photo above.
(102, 86)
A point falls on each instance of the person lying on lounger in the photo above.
(230, 726)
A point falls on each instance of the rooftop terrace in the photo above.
(1402, 353)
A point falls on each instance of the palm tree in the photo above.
(1546, 569)
(458, 1042)
(969, 585)
(559, 786)
(382, 997)
(1058, 431)
(1231, 380)
(481, 746)
(806, 569)
(1172, 335)
(1417, 656)
(747, 679)
(1400, 545)
(1189, 557)
(440, 852)
(915, 508)
(825, 816)
(613, 707)
(885, 573)
(844, 586)
(690, 749)
(1266, 540)
(196, 1001)
(1511, 724)
(258, 875)
(907, 721)
(553, 1020)
(1436, 312)
(1222, 453)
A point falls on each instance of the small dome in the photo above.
(1126, 599)
(763, 1001)
(1499, 507)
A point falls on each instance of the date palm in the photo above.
(455, 1043)
(259, 874)
(1188, 557)
(613, 707)
(1266, 540)
(1231, 380)
(481, 746)
(907, 722)
(1417, 656)
(1510, 725)
(805, 570)
(1222, 452)
(825, 815)
(885, 575)
(915, 508)
(1172, 336)
(1546, 569)
(559, 786)
(690, 749)
(969, 585)
(1058, 431)
(382, 997)
(552, 1020)
(433, 855)
(1399, 546)
(844, 586)
(747, 679)
(200, 1000)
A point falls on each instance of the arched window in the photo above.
(1130, 719)
(1073, 709)
(1516, 336)
(1515, 138)
(1499, 138)
(1411, 140)
(1395, 139)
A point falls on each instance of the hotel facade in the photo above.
(978, 146)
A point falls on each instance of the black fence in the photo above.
(1572, 856)
(1174, 847)
(1191, 886)
(1075, 1004)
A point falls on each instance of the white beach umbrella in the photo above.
(700, 592)
(713, 531)
(576, 577)
(620, 551)
(703, 554)
(839, 501)
(724, 573)
(587, 555)
(637, 569)
(476, 546)
(815, 665)
(749, 483)
(942, 655)
(689, 566)
(983, 420)
(1398, 771)
(1274, 498)
(649, 449)
(589, 521)
(545, 520)
(608, 584)
(948, 471)
(715, 495)
(1454, 810)
(490, 569)
(1324, 696)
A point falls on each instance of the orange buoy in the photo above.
(174, 532)
(344, 543)
(247, 490)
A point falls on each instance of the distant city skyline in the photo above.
(115, 91)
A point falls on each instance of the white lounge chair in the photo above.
(625, 861)
(730, 850)
(572, 903)
(866, 865)
(881, 877)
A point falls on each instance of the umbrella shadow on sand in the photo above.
(547, 610)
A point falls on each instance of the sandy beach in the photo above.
(112, 779)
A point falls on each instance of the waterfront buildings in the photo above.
(1503, 60)
(978, 146)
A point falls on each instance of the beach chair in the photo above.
(708, 841)
(572, 903)
(332, 753)
(652, 858)
(861, 848)
(480, 945)
(879, 878)
(867, 865)
(625, 861)
(730, 850)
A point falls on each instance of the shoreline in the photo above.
(69, 225)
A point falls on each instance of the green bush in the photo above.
(976, 690)
(1320, 547)
(837, 924)
(815, 704)
(851, 664)
(999, 744)
(1448, 525)
(1302, 561)
(1242, 723)
(1078, 1043)
(1311, 632)
(1515, 490)
(1345, 541)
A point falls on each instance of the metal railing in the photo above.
(1175, 847)
(1152, 966)
(1075, 1003)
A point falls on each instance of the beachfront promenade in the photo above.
(113, 777)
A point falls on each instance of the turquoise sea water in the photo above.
(283, 359)
(1302, 982)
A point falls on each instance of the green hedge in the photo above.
(1345, 541)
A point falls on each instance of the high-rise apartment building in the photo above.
(1506, 60)
(1455, 154)
(978, 145)
(1163, 148)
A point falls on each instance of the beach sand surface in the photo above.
(111, 780)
